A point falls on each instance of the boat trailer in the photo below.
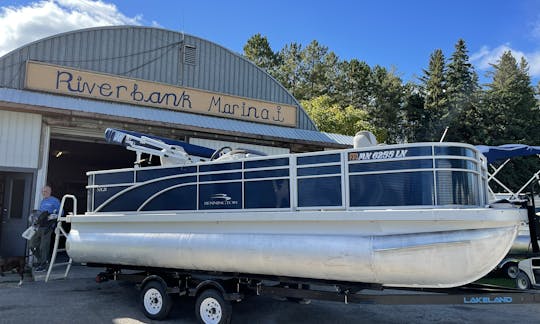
(215, 292)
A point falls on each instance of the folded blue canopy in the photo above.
(117, 136)
(502, 152)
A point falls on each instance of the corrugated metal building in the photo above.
(59, 94)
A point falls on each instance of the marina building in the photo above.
(59, 94)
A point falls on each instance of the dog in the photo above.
(13, 263)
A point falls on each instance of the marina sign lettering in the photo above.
(377, 155)
(68, 81)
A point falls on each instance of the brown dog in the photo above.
(13, 263)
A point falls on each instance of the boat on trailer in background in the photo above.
(408, 215)
(523, 247)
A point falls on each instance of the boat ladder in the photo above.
(59, 232)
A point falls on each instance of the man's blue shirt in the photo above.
(50, 204)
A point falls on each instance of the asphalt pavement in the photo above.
(79, 299)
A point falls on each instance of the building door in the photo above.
(15, 195)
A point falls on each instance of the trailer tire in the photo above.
(522, 281)
(212, 308)
(156, 303)
(511, 270)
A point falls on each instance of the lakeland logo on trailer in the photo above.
(487, 300)
(220, 199)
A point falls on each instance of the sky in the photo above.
(394, 34)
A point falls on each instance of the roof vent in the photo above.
(190, 54)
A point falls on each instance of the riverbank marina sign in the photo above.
(73, 82)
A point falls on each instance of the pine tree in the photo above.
(435, 100)
(385, 104)
(353, 84)
(512, 116)
(414, 114)
(314, 70)
(257, 50)
(510, 103)
(288, 70)
(331, 76)
(461, 86)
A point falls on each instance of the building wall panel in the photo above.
(20, 135)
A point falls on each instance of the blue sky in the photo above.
(390, 33)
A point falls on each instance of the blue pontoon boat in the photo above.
(408, 215)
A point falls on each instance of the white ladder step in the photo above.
(61, 264)
(59, 231)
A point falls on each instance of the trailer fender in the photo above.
(507, 261)
(150, 278)
(214, 284)
(203, 285)
(509, 267)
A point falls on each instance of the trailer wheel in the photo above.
(522, 281)
(511, 270)
(155, 301)
(212, 308)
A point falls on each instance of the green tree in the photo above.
(512, 116)
(353, 84)
(258, 51)
(414, 114)
(289, 66)
(461, 89)
(384, 108)
(511, 104)
(331, 75)
(330, 117)
(316, 66)
(435, 100)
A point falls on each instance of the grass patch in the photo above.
(504, 282)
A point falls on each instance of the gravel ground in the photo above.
(80, 300)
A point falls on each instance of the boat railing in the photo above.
(420, 175)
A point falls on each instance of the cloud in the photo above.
(486, 56)
(20, 25)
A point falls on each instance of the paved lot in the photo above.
(80, 300)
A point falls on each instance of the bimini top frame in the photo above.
(505, 153)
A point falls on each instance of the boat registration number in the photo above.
(377, 155)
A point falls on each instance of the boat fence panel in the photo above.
(416, 175)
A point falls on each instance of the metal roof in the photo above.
(152, 54)
(213, 124)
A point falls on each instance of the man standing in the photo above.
(41, 242)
